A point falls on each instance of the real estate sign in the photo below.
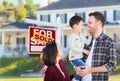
(38, 37)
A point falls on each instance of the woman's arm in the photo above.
(44, 70)
(48, 75)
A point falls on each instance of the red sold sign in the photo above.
(38, 37)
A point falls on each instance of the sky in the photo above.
(41, 2)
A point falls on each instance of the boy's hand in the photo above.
(86, 51)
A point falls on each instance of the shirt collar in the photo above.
(100, 37)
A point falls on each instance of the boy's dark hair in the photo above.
(99, 17)
(49, 54)
(75, 20)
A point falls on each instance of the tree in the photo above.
(5, 3)
(21, 13)
(30, 8)
(1, 8)
(37, 6)
(12, 5)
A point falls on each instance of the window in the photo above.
(82, 14)
(48, 18)
(40, 17)
(116, 14)
(45, 18)
(21, 41)
(65, 41)
(63, 17)
(104, 13)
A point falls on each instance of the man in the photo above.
(102, 57)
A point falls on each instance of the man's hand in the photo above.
(83, 70)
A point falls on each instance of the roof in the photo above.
(44, 23)
(68, 4)
(17, 25)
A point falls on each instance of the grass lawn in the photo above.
(112, 78)
(115, 76)
(21, 79)
(18, 66)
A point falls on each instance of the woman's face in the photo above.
(60, 52)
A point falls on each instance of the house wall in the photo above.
(69, 15)
(108, 11)
(53, 18)
(113, 32)
(109, 30)
(110, 15)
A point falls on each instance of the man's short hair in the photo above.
(99, 16)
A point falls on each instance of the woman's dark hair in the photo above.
(75, 20)
(49, 54)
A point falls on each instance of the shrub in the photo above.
(118, 51)
(69, 65)
(17, 66)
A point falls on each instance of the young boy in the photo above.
(77, 40)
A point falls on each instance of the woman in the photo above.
(51, 57)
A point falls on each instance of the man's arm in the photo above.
(87, 70)
(99, 69)
(108, 67)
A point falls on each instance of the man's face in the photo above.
(92, 25)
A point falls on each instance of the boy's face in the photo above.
(79, 27)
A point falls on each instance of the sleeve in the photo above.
(44, 70)
(72, 46)
(48, 75)
(88, 39)
(111, 64)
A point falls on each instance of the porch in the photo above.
(15, 49)
(13, 42)
(13, 53)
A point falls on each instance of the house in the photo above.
(14, 39)
(65, 9)
(58, 14)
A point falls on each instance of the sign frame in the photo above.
(33, 49)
